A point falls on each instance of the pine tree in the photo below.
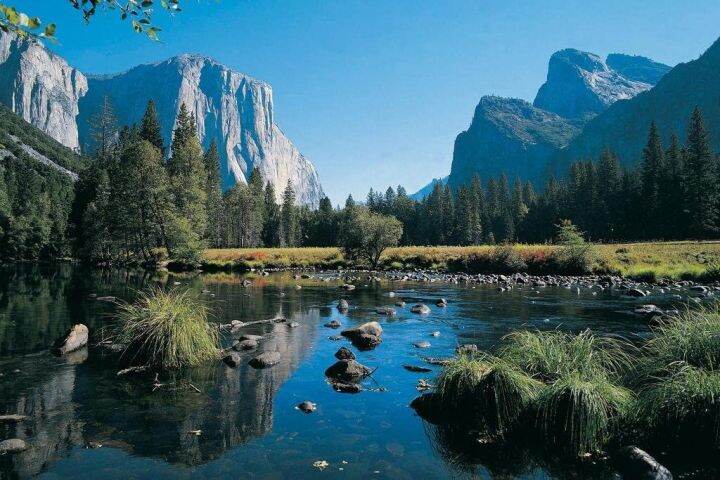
(701, 180)
(104, 131)
(272, 229)
(672, 192)
(290, 221)
(214, 203)
(150, 127)
(651, 172)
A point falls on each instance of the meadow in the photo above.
(647, 261)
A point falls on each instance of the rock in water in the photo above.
(344, 354)
(347, 371)
(442, 303)
(343, 305)
(265, 360)
(346, 387)
(12, 445)
(232, 359)
(366, 336)
(307, 407)
(634, 463)
(333, 324)
(420, 308)
(74, 339)
(244, 345)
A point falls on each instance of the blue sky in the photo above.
(374, 92)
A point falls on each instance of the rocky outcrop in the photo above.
(580, 85)
(508, 136)
(231, 108)
(624, 126)
(41, 87)
(637, 68)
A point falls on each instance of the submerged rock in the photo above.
(12, 445)
(366, 336)
(333, 324)
(244, 345)
(232, 359)
(422, 344)
(343, 387)
(638, 464)
(344, 354)
(347, 371)
(75, 338)
(265, 360)
(415, 368)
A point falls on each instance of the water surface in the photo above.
(249, 426)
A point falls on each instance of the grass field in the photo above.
(650, 261)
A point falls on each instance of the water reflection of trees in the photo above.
(70, 402)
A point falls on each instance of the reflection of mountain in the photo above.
(52, 427)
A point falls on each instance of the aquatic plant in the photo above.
(579, 413)
(167, 329)
(487, 391)
(691, 337)
(552, 354)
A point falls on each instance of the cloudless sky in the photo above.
(375, 91)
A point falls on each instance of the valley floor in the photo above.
(647, 261)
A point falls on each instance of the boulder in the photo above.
(307, 406)
(634, 463)
(265, 360)
(420, 308)
(232, 359)
(442, 303)
(74, 339)
(366, 336)
(343, 305)
(12, 445)
(389, 311)
(349, 371)
(244, 345)
(344, 354)
(333, 324)
(422, 344)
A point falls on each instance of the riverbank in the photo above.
(641, 261)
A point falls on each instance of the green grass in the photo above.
(487, 391)
(644, 261)
(167, 330)
(580, 414)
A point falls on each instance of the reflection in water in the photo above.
(245, 417)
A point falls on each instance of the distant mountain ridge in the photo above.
(231, 108)
(520, 139)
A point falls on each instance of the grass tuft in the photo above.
(167, 329)
(488, 391)
(580, 414)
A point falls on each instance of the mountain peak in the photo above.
(581, 85)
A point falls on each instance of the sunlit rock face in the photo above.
(41, 87)
(231, 108)
(581, 85)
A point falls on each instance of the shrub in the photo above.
(167, 329)
(574, 255)
(487, 391)
(580, 414)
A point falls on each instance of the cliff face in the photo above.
(41, 88)
(231, 108)
(580, 85)
(508, 136)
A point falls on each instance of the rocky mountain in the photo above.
(230, 107)
(580, 85)
(508, 135)
(41, 88)
(624, 126)
(524, 140)
(427, 189)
